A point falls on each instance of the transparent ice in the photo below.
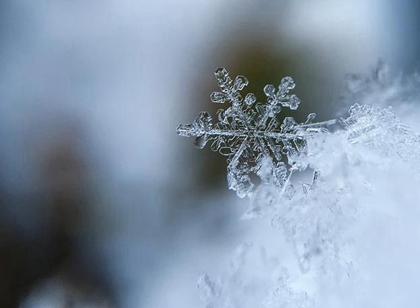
(250, 134)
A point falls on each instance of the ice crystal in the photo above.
(324, 226)
(339, 228)
(250, 134)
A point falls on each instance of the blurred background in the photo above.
(101, 203)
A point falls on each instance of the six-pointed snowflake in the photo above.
(251, 136)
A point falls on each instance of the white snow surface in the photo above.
(348, 240)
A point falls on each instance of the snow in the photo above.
(347, 239)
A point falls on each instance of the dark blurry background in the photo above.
(101, 203)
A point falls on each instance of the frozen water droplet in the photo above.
(200, 142)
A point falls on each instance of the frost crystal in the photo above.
(251, 136)
(333, 248)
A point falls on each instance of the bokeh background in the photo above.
(101, 203)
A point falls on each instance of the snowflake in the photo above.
(251, 136)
